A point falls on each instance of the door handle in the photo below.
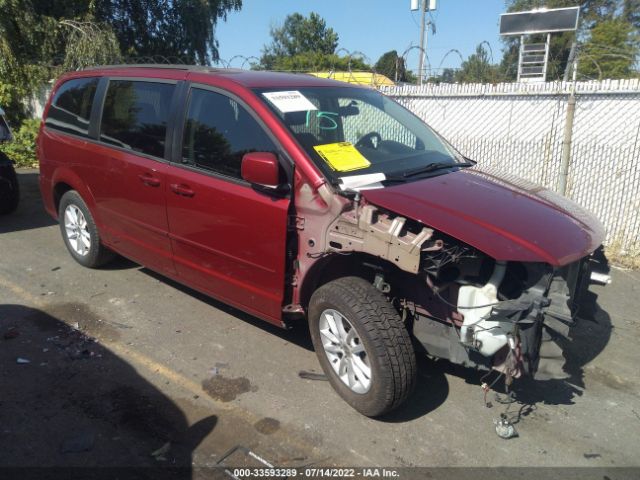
(149, 180)
(182, 189)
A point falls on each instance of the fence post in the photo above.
(566, 143)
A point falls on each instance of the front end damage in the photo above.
(515, 322)
(458, 303)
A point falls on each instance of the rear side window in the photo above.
(135, 115)
(70, 109)
(218, 132)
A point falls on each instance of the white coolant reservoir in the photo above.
(487, 336)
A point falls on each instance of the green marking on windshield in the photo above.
(320, 115)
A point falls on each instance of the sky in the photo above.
(372, 27)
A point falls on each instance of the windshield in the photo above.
(355, 131)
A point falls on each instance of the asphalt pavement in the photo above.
(120, 366)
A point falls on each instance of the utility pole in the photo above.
(425, 6)
(565, 161)
(423, 14)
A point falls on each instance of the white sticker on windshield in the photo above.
(368, 181)
(291, 101)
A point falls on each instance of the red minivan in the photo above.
(292, 197)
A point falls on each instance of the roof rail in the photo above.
(197, 68)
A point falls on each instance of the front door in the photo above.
(228, 239)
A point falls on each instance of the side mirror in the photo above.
(261, 168)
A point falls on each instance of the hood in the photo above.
(501, 215)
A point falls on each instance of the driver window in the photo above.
(372, 119)
(219, 132)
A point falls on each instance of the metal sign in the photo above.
(430, 5)
(539, 21)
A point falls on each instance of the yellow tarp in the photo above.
(361, 78)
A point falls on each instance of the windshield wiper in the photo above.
(432, 167)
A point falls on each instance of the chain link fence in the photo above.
(519, 129)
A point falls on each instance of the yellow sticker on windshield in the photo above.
(342, 157)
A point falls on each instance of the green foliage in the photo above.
(631, 13)
(16, 85)
(22, 149)
(309, 40)
(387, 65)
(448, 75)
(610, 51)
(89, 44)
(183, 29)
(40, 39)
(300, 34)
(478, 68)
(316, 62)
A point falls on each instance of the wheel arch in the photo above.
(65, 180)
(337, 265)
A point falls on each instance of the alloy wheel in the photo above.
(77, 230)
(345, 351)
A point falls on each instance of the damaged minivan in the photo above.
(295, 199)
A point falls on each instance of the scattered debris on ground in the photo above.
(312, 375)
(11, 333)
(160, 453)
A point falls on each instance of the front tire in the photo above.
(362, 345)
(80, 233)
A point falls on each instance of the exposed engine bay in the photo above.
(461, 304)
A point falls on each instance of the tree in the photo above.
(168, 28)
(299, 36)
(88, 44)
(38, 39)
(184, 29)
(35, 39)
(316, 62)
(393, 66)
(478, 68)
(631, 13)
(448, 75)
(610, 51)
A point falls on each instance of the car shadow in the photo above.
(431, 391)
(30, 213)
(70, 403)
(588, 337)
(432, 388)
(120, 263)
(297, 332)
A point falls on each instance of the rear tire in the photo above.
(80, 233)
(380, 345)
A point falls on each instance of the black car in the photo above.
(9, 188)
